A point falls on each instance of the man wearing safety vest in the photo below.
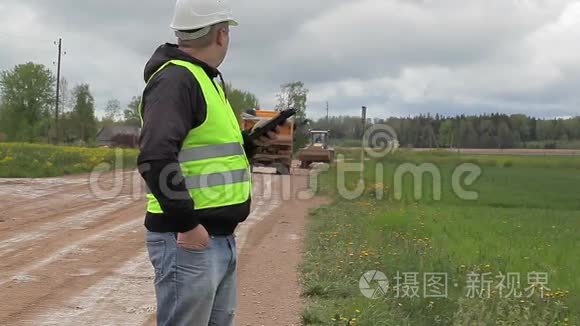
(194, 159)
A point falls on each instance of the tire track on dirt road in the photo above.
(109, 229)
(269, 288)
(50, 280)
(93, 269)
(26, 190)
(80, 220)
(28, 205)
(127, 296)
(36, 187)
(62, 239)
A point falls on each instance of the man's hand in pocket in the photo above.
(196, 239)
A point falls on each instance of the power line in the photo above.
(327, 116)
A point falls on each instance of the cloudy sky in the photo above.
(398, 57)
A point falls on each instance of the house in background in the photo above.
(118, 136)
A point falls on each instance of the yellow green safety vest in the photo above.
(212, 158)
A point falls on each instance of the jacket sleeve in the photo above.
(172, 103)
(249, 145)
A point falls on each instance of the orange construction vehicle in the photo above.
(279, 154)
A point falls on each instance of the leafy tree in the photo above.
(446, 134)
(505, 136)
(573, 125)
(429, 138)
(485, 131)
(560, 130)
(487, 134)
(521, 123)
(84, 113)
(132, 116)
(65, 105)
(293, 96)
(543, 130)
(241, 101)
(27, 93)
(65, 96)
(469, 137)
(68, 128)
(112, 111)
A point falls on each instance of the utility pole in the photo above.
(56, 115)
(364, 119)
(362, 151)
(327, 117)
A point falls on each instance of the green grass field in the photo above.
(560, 144)
(37, 160)
(525, 220)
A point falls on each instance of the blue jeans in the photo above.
(193, 287)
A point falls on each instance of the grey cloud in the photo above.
(399, 56)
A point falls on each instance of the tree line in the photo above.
(28, 114)
(28, 108)
(462, 131)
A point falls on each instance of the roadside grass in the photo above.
(19, 160)
(525, 220)
(528, 182)
(484, 160)
(560, 144)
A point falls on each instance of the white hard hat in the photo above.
(200, 14)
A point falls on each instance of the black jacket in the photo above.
(173, 105)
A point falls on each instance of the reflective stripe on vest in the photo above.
(212, 160)
(210, 151)
(216, 179)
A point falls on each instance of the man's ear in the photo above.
(222, 36)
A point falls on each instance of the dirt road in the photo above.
(72, 252)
